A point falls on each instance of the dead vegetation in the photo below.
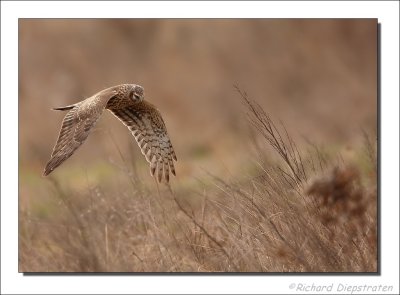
(298, 212)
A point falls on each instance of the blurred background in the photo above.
(319, 77)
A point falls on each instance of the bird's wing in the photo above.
(148, 128)
(76, 126)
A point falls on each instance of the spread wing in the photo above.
(76, 127)
(148, 128)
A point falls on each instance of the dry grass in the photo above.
(296, 211)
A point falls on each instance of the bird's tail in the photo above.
(65, 108)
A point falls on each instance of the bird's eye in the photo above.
(133, 95)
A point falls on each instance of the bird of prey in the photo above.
(126, 102)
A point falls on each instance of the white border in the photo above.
(13, 282)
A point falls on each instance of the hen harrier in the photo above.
(127, 103)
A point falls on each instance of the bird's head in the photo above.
(136, 93)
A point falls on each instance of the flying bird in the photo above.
(126, 102)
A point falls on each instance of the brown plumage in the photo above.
(127, 103)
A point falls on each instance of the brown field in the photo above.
(273, 123)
